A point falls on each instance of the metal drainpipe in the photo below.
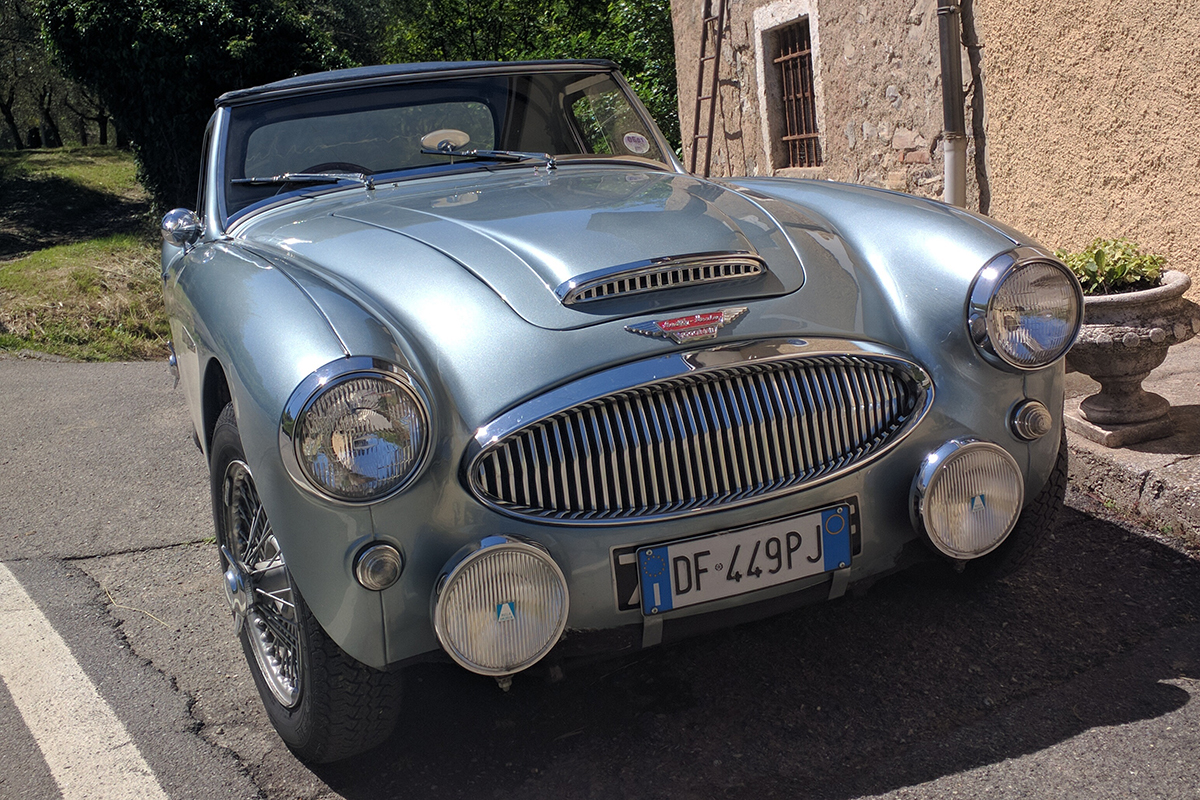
(954, 135)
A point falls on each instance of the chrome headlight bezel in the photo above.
(323, 380)
(984, 291)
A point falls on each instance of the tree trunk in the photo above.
(6, 107)
(50, 134)
(102, 122)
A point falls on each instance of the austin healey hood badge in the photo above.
(694, 328)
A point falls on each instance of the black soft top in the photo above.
(383, 73)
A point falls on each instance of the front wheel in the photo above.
(324, 704)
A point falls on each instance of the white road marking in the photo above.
(88, 749)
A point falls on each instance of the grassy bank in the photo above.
(78, 257)
(98, 300)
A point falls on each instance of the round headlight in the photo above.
(500, 608)
(361, 436)
(967, 497)
(1027, 313)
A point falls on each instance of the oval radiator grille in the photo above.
(702, 440)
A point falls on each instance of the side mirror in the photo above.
(181, 227)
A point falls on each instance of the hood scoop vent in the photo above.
(668, 272)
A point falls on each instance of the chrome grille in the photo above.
(665, 273)
(701, 440)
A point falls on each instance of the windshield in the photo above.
(379, 130)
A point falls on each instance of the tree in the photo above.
(157, 65)
(20, 65)
(89, 109)
(636, 34)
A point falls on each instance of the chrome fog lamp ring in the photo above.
(1025, 310)
(357, 430)
(966, 497)
(500, 605)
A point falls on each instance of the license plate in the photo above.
(680, 574)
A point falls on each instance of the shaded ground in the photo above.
(39, 209)
(912, 682)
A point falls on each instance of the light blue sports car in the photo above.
(482, 374)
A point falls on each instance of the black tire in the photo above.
(324, 704)
(1036, 521)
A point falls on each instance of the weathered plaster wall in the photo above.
(1094, 121)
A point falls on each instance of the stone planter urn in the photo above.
(1124, 337)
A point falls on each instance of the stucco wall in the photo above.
(1094, 121)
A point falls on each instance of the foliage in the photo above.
(157, 65)
(1111, 266)
(95, 301)
(636, 34)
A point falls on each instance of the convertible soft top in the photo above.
(382, 73)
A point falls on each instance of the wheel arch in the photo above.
(214, 396)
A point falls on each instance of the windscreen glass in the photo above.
(379, 131)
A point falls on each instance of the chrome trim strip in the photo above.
(700, 463)
(576, 289)
(983, 289)
(329, 375)
(214, 215)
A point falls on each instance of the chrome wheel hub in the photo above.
(238, 592)
(258, 587)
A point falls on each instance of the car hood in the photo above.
(525, 233)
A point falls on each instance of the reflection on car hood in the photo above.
(525, 232)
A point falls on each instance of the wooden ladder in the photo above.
(712, 33)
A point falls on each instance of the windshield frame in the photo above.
(222, 220)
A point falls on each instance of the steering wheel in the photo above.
(339, 166)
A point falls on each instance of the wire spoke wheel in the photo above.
(258, 587)
(324, 704)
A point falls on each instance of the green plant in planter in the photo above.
(1112, 266)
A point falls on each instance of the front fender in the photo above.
(266, 333)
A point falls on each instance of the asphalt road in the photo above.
(1074, 679)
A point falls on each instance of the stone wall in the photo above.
(1089, 118)
(879, 89)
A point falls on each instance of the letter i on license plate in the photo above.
(678, 574)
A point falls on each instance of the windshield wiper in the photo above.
(307, 177)
(498, 155)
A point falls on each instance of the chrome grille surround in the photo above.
(697, 431)
(670, 272)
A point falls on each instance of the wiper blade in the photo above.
(307, 177)
(498, 155)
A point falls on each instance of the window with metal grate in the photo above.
(798, 140)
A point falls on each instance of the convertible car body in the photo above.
(481, 373)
